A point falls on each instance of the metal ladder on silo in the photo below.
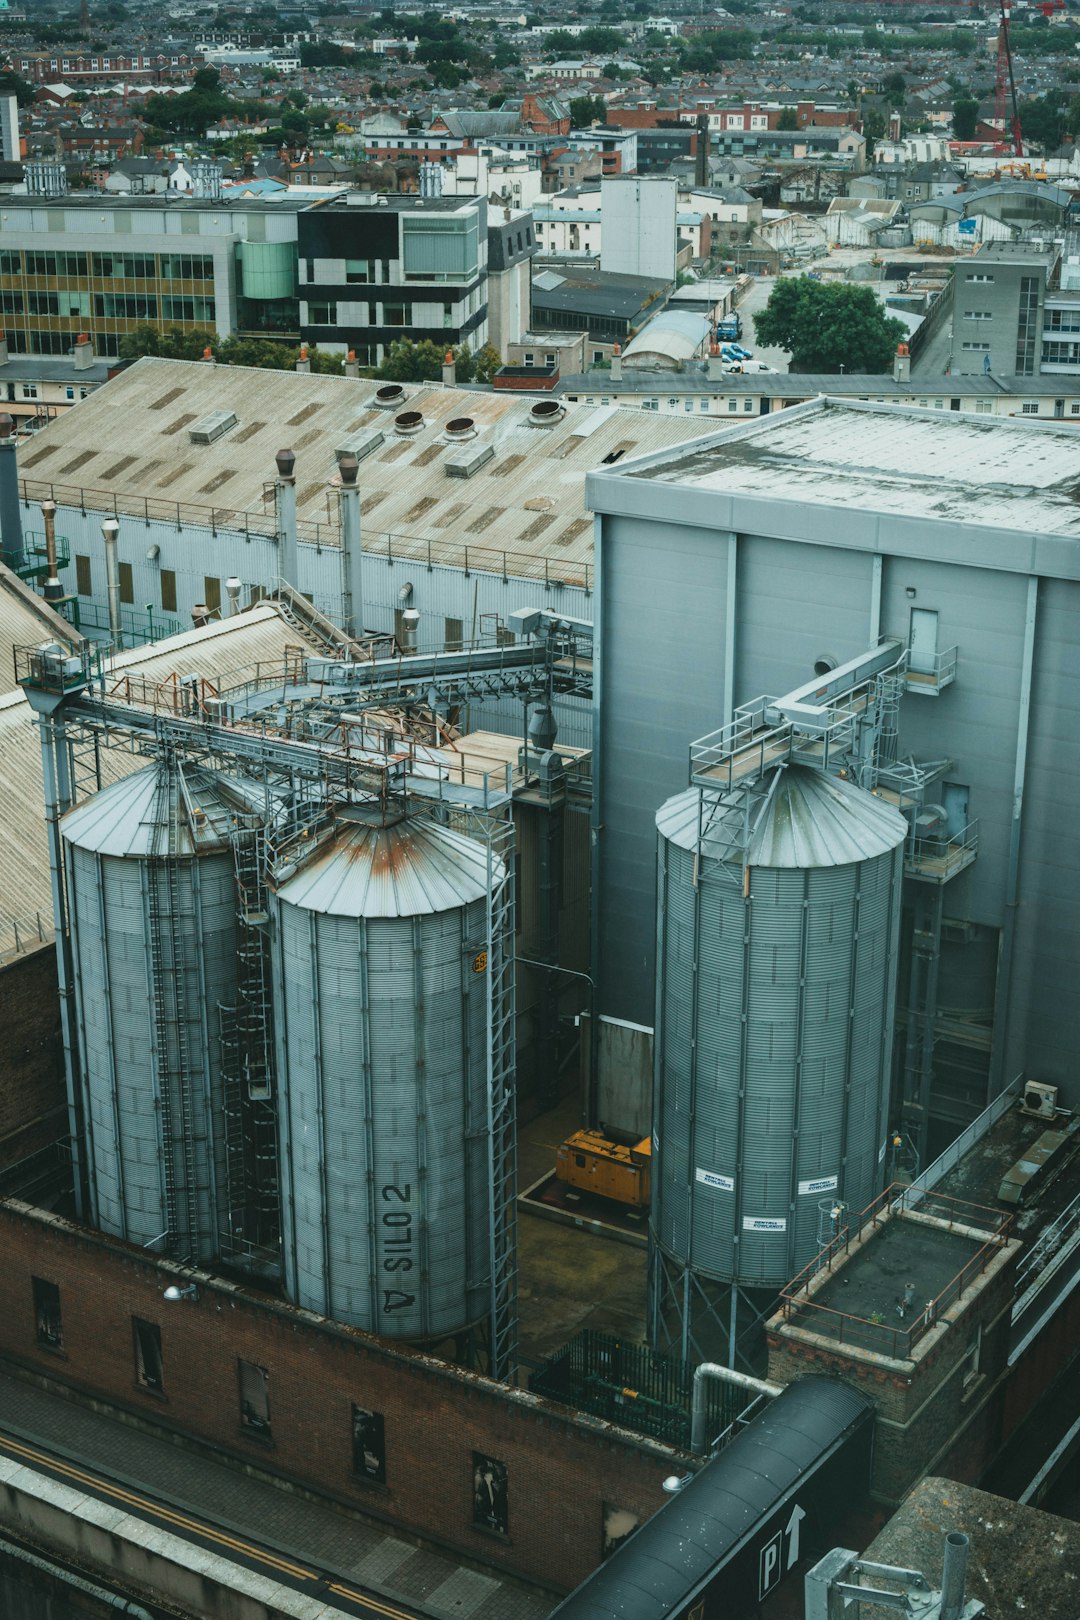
(166, 968)
(250, 1123)
(161, 1018)
(183, 1066)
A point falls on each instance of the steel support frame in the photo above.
(696, 1318)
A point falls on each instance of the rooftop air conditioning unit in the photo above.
(363, 445)
(469, 460)
(211, 427)
(1039, 1100)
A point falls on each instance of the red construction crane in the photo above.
(1006, 106)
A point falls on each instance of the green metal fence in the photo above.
(138, 628)
(634, 1386)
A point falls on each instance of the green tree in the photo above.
(488, 361)
(873, 128)
(320, 53)
(828, 327)
(584, 110)
(788, 119)
(168, 342)
(894, 86)
(12, 85)
(965, 114)
(412, 362)
(597, 41)
(1044, 119)
(560, 43)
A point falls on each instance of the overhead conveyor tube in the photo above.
(726, 1375)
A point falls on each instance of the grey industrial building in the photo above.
(765, 556)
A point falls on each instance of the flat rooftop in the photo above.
(937, 466)
(124, 202)
(1014, 252)
(869, 1287)
(898, 1274)
(1022, 1560)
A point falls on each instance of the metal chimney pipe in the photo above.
(285, 506)
(954, 1575)
(726, 1375)
(109, 530)
(11, 535)
(52, 590)
(352, 552)
(233, 587)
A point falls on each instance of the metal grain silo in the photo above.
(775, 995)
(153, 936)
(381, 1006)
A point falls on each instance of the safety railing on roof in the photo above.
(19, 935)
(801, 1305)
(434, 553)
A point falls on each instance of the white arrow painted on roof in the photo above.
(791, 1530)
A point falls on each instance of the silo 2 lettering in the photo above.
(398, 1239)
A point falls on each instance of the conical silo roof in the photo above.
(810, 820)
(126, 819)
(411, 869)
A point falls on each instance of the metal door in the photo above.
(955, 798)
(922, 641)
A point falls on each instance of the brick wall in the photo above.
(561, 1469)
(32, 1090)
(929, 1409)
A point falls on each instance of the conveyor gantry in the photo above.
(826, 724)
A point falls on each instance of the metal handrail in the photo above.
(968, 1136)
(553, 570)
(950, 850)
(894, 1203)
(943, 667)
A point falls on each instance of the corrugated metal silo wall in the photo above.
(789, 998)
(382, 1069)
(114, 976)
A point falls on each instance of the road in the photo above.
(300, 1576)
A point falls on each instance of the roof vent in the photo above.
(545, 413)
(460, 427)
(361, 446)
(469, 459)
(408, 422)
(211, 427)
(390, 397)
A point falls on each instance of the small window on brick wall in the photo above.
(48, 1323)
(490, 1496)
(368, 1445)
(149, 1373)
(254, 1399)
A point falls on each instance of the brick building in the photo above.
(912, 1305)
(281, 1390)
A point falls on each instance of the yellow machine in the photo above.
(595, 1163)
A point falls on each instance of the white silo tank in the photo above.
(775, 998)
(381, 1022)
(153, 938)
